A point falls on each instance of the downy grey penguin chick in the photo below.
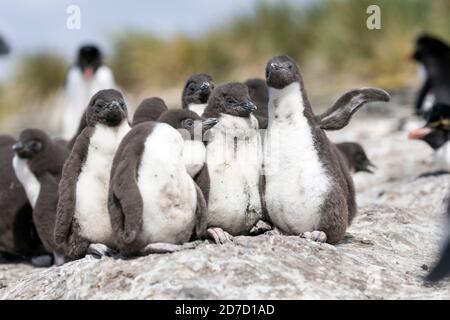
(259, 93)
(18, 236)
(308, 188)
(82, 222)
(355, 156)
(154, 203)
(234, 160)
(196, 92)
(150, 109)
(38, 165)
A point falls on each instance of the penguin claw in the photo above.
(163, 247)
(98, 250)
(43, 261)
(260, 227)
(316, 236)
(219, 236)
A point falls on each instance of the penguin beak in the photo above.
(368, 166)
(19, 146)
(419, 133)
(208, 123)
(205, 87)
(248, 106)
(88, 73)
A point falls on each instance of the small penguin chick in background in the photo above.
(38, 165)
(442, 267)
(154, 204)
(433, 54)
(196, 92)
(149, 109)
(259, 93)
(4, 48)
(356, 157)
(436, 133)
(82, 223)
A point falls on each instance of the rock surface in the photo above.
(385, 254)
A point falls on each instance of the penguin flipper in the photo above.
(339, 115)
(442, 268)
(203, 182)
(201, 214)
(68, 186)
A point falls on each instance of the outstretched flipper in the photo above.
(125, 202)
(68, 186)
(339, 115)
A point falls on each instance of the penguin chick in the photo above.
(259, 93)
(155, 205)
(356, 157)
(308, 187)
(150, 109)
(233, 157)
(38, 164)
(196, 92)
(82, 222)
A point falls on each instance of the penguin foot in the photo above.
(99, 250)
(43, 261)
(219, 236)
(317, 236)
(58, 259)
(163, 247)
(433, 174)
(274, 232)
(260, 227)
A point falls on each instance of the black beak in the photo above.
(248, 106)
(272, 68)
(18, 146)
(367, 167)
(113, 106)
(205, 86)
(208, 123)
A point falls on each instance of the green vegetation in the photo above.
(326, 37)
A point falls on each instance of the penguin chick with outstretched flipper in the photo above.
(154, 203)
(18, 236)
(433, 55)
(196, 92)
(259, 93)
(82, 222)
(436, 133)
(234, 160)
(308, 187)
(150, 109)
(355, 156)
(38, 165)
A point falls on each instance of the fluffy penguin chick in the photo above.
(155, 205)
(150, 109)
(234, 160)
(38, 164)
(259, 93)
(83, 222)
(196, 92)
(355, 157)
(308, 189)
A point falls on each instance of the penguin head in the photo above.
(197, 89)
(89, 60)
(429, 46)
(106, 107)
(281, 71)
(31, 143)
(360, 159)
(230, 98)
(149, 110)
(436, 131)
(188, 123)
(257, 89)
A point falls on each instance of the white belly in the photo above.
(296, 182)
(91, 210)
(198, 108)
(167, 190)
(27, 179)
(235, 170)
(442, 156)
(194, 156)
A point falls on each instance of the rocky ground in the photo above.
(385, 255)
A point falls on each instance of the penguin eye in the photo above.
(290, 66)
(188, 123)
(230, 101)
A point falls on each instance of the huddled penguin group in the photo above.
(234, 159)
